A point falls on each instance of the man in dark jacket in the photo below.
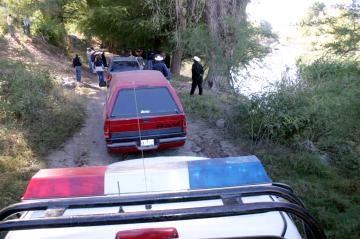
(103, 58)
(197, 76)
(149, 60)
(77, 65)
(159, 65)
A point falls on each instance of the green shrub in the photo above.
(35, 102)
(36, 115)
(278, 116)
(51, 30)
(333, 199)
(207, 106)
(3, 24)
(323, 107)
(335, 91)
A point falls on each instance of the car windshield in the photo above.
(119, 66)
(150, 102)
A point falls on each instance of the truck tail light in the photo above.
(107, 133)
(109, 77)
(183, 124)
(148, 233)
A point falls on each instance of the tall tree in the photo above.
(219, 15)
(188, 14)
(130, 24)
(339, 30)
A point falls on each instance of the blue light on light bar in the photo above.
(226, 172)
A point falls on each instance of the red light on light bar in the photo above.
(66, 182)
(148, 233)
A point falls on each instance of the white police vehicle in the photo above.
(158, 198)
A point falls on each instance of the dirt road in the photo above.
(87, 147)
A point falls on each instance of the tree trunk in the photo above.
(180, 6)
(176, 61)
(216, 13)
(186, 16)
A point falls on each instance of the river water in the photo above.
(261, 76)
(283, 17)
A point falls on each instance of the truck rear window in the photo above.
(150, 102)
(119, 66)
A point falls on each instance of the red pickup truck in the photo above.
(143, 112)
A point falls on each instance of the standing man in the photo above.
(92, 59)
(159, 65)
(99, 69)
(88, 55)
(27, 23)
(77, 65)
(10, 22)
(23, 26)
(197, 76)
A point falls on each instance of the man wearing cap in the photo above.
(197, 71)
(159, 65)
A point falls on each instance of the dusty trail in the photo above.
(87, 147)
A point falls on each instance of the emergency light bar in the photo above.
(165, 176)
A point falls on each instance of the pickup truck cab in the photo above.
(158, 198)
(143, 112)
(121, 64)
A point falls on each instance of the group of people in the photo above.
(97, 63)
(151, 60)
(148, 56)
(25, 23)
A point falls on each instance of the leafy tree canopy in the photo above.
(338, 30)
(127, 23)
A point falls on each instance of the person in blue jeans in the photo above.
(99, 68)
(77, 65)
